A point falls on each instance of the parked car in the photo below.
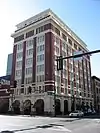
(76, 113)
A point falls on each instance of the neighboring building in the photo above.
(96, 92)
(9, 64)
(37, 43)
(4, 96)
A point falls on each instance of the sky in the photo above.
(82, 16)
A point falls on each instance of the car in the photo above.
(76, 113)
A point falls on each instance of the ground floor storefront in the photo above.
(41, 104)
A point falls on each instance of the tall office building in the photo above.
(9, 64)
(37, 43)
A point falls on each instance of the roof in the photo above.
(50, 12)
(94, 77)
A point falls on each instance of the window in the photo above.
(19, 55)
(64, 45)
(30, 52)
(40, 68)
(22, 90)
(75, 46)
(40, 78)
(29, 43)
(65, 72)
(40, 29)
(57, 40)
(20, 46)
(69, 50)
(29, 61)
(65, 63)
(19, 38)
(69, 41)
(19, 64)
(40, 48)
(57, 31)
(40, 57)
(63, 53)
(97, 90)
(28, 70)
(28, 80)
(64, 37)
(57, 49)
(40, 39)
(30, 33)
(18, 72)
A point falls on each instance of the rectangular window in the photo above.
(20, 46)
(65, 72)
(57, 40)
(64, 45)
(28, 70)
(57, 49)
(19, 64)
(40, 39)
(30, 33)
(40, 29)
(65, 63)
(40, 68)
(30, 52)
(40, 78)
(18, 72)
(40, 48)
(40, 57)
(28, 80)
(57, 31)
(29, 43)
(19, 38)
(69, 41)
(29, 61)
(22, 90)
(19, 55)
(75, 46)
(64, 37)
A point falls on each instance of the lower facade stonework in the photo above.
(41, 104)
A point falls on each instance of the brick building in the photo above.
(37, 43)
(96, 92)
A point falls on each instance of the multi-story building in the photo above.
(96, 92)
(9, 64)
(37, 43)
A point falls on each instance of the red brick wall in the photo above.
(49, 59)
(23, 62)
(34, 62)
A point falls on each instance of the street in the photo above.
(27, 124)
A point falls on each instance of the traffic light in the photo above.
(59, 63)
(15, 83)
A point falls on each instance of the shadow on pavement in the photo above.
(37, 127)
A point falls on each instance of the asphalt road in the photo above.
(25, 124)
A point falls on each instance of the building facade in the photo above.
(9, 64)
(4, 96)
(37, 43)
(96, 92)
